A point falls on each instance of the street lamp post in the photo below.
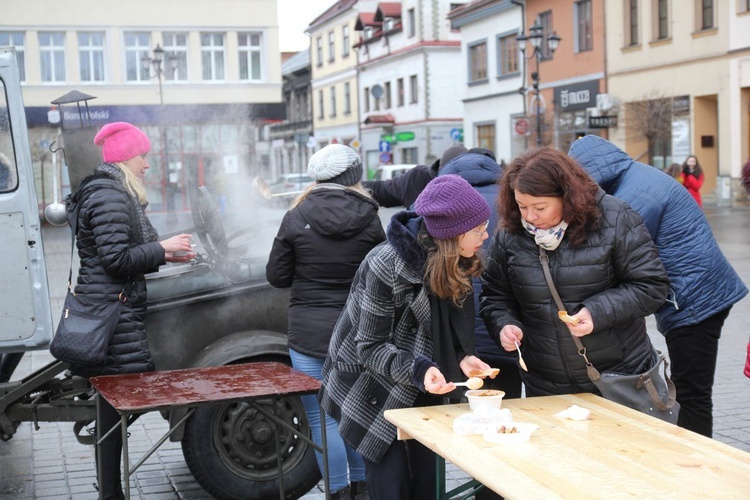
(156, 62)
(536, 37)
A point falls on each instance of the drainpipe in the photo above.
(522, 4)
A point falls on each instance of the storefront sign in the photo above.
(602, 121)
(577, 96)
(681, 104)
(405, 136)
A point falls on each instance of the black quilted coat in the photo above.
(113, 252)
(616, 274)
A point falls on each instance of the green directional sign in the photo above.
(405, 136)
(388, 137)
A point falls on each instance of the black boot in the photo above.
(359, 490)
(342, 494)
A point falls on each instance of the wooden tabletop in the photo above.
(617, 453)
(159, 390)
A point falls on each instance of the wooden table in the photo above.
(193, 387)
(617, 453)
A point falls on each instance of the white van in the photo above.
(388, 172)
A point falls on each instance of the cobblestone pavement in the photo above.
(49, 463)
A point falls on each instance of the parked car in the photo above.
(291, 183)
(388, 172)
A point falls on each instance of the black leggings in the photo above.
(109, 475)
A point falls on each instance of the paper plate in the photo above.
(523, 434)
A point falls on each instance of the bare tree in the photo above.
(650, 119)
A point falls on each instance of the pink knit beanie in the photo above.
(121, 141)
(450, 206)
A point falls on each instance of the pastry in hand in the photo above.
(489, 372)
(566, 318)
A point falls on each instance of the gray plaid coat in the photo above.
(383, 328)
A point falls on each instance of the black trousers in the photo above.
(109, 475)
(693, 351)
(406, 471)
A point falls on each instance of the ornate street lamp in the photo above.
(536, 38)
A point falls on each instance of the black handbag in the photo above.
(648, 392)
(86, 326)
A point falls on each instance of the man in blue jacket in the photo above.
(704, 286)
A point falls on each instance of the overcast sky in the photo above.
(294, 17)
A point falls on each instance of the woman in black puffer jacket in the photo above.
(116, 245)
(604, 265)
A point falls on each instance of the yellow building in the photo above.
(199, 81)
(680, 74)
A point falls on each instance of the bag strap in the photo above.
(73, 223)
(591, 370)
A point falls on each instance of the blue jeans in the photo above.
(340, 454)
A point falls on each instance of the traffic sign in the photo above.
(405, 136)
(522, 126)
(384, 146)
(457, 134)
(385, 157)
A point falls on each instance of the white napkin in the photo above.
(481, 420)
(575, 412)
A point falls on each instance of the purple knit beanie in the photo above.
(121, 141)
(450, 207)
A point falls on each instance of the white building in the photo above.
(410, 108)
(491, 74)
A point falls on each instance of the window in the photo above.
(136, 48)
(631, 20)
(8, 167)
(249, 46)
(319, 50)
(331, 46)
(545, 20)
(400, 91)
(507, 50)
(412, 24)
(387, 95)
(175, 53)
(661, 18)
(409, 155)
(706, 15)
(212, 56)
(320, 105)
(16, 39)
(333, 102)
(743, 6)
(486, 136)
(91, 54)
(584, 39)
(347, 98)
(478, 61)
(414, 90)
(345, 41)
(52, 56)
(366, 99)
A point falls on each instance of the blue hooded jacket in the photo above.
(703, 283)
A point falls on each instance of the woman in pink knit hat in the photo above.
(117, 246)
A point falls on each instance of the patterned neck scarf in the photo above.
(549, 239)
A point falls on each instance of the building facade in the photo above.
(685, 66)
(291, 139)
(410, 109)
(199, 83)
(333, 64)
(494, 114)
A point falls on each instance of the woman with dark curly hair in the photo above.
(603, 262)
(692, 177)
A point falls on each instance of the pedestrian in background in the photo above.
(692, 178)
(407, 330)
(479, 168)
(117, 245)
(675, 171)
(605, 267)
(703, 285)
(320, 244)
(746, 184)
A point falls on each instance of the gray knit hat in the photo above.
(450, 207)
(336, 163)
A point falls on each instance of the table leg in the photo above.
(99, 436)
(278, 452)
(125, 454)
(439, 477)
